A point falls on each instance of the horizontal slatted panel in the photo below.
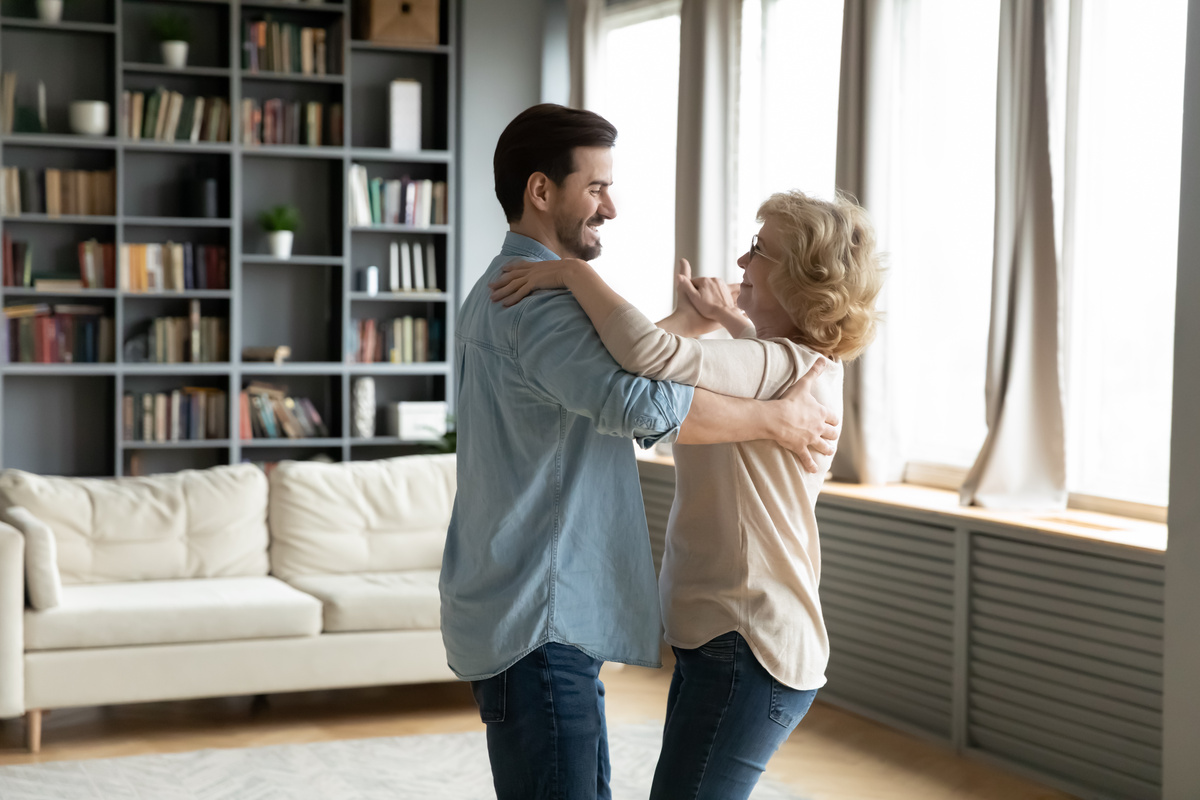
(887, 594)
(1066, 664)
(658, 493)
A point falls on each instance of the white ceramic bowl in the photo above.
(89, 117)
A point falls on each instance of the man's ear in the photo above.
(538, 190)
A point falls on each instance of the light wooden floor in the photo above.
(833, 755)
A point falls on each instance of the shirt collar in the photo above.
(530, 249)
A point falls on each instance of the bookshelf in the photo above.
(67, 418)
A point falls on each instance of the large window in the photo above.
(938, 230)
(787, 106)
(639, 93)
(1123, 228)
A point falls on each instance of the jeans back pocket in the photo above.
(722, 648)
(490, 697)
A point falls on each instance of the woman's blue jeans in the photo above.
(726, 717)
(545, 727)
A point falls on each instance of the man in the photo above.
(547, 570)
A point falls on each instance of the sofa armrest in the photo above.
(12, 622)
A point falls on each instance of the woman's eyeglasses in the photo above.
(755, 250)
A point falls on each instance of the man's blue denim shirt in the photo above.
(548, 540)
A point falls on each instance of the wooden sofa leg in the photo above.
(33, 730)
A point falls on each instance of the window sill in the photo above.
(1074, 523)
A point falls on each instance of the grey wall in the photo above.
(1181, 701)
(501, 75)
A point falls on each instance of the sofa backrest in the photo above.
(192, 524)
(362, 516)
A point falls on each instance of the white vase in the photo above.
(50, 10)
(174, 53)
(364, 408)
(281, 243)
(88, 117)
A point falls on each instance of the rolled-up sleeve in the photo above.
(563, 360)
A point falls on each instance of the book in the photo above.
(431, 281)
(418, 268)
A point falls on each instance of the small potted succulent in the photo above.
(50, 10)
(173, 32)
(280, 223)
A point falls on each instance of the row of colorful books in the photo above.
(278, 121)
(58, 191)
(404, 340)
(269, 412)
(166, 116)
(173, 266)
(271, 46)
(189, 413)
(181, 340)
(398, 201)
(60, 334)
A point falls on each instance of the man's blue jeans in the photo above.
(726, 717)
(545, 727)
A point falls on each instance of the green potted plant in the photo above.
(173, 31)
(280, 223)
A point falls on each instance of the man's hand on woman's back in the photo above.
(805, 426)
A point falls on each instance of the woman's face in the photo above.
(757, 298)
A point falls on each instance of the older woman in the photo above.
(742, 561)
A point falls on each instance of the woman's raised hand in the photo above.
(520, 278)
(711, 297)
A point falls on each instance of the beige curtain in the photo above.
(1023, 460)
(864, 152)
(584, 18)
(706, 161)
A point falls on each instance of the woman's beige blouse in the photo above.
(742, 552)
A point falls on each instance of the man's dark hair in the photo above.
(543, 139)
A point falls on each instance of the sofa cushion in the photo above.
(192, 524)
(389, 515)
(376, 601)
(173, 612)
(41, 559)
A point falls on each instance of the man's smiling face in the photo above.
(582, 203)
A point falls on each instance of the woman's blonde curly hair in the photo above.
(830, 274)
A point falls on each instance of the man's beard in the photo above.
(570, 235)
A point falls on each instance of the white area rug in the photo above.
(445, 767)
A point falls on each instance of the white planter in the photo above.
(88, 117)
(174, 53)
(50, 10)
(281, 243)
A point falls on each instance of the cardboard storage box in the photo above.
(399, 21)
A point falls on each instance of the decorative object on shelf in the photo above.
(364, 408)
(417, 421)
(404, 115)
(278, 354)
(368, 280)
(411, 22)
(50, 10)
(202, 198)
(173, 31)
(280, 223)
(88, 117)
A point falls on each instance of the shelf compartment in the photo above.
(66, 421)
(162, 186)
(285, 306)
(208, 50)
(325, 394)
(155, 459)
(391, 389)
(375, 250)
(373, 71)
(137, 336)
(72, 70)
(314, 186)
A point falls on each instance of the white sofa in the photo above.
(220, 582)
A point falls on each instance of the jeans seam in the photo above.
(549, 673)
(716, 731)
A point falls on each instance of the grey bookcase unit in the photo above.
(65, 419)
